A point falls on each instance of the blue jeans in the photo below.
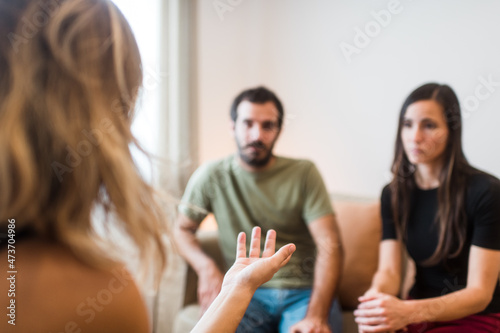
(276, 310)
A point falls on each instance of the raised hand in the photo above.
(252, 271)
(241, 281)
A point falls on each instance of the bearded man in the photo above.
(257, 188)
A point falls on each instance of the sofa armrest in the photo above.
(360, 228)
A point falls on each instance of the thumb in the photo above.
(283, 255)
(368, 297)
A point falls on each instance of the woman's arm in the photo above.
(387, 279)
(241, 281)
(383, 313)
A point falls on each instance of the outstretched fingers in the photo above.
(255, 243)
(279, 258)
(241, 247)
(270, 246)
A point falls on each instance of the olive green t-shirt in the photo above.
(285, 197)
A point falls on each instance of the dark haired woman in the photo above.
(447, 214)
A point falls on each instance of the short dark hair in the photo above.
(259, 95)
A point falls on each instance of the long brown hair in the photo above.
(70, 73)
(451, 217)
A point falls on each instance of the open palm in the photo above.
(255, 270)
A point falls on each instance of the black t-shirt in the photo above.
(482, 206)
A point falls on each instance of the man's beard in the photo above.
(254, 160)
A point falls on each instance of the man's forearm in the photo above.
(327, 272)
(190, 249)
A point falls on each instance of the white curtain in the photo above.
(165, 123)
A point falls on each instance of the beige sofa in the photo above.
(360, 227)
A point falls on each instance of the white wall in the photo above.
(342, 114)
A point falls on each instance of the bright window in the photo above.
(145, 19)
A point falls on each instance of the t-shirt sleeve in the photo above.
(388, 226)
(195, 202)
(486, 215)
(317, 201)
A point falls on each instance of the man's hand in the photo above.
(311, 325)
(209, 285)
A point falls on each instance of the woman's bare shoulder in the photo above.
(57, 292)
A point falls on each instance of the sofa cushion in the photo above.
(186, 319)
(360, 228)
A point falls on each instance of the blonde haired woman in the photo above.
(70, 72)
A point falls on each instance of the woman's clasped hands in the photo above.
(379, 312)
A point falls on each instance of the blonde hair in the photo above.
(71, 72)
